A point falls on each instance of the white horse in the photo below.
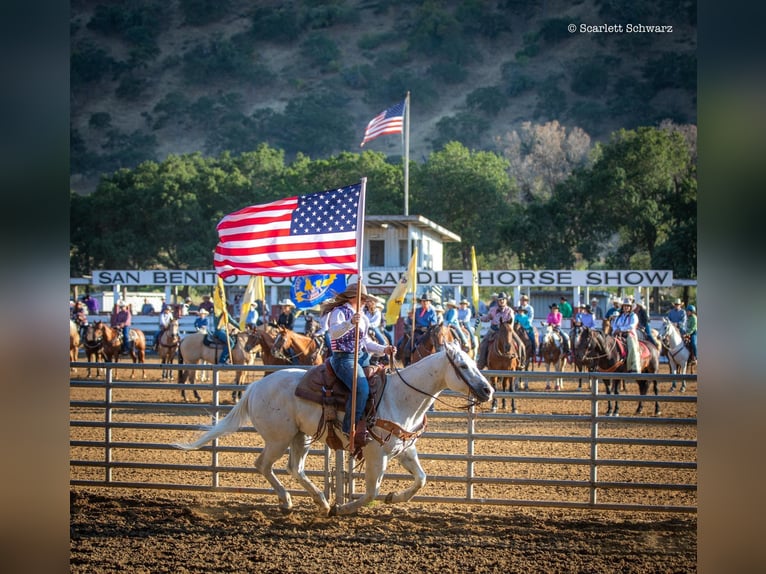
(678, 354)
(284, 420)
(552, 353)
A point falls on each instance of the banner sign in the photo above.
(460, 278)
(310, 290)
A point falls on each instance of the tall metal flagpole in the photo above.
(407, 154)
(360, 262)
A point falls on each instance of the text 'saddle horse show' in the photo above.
(286, 420)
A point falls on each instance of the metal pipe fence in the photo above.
(559, 450)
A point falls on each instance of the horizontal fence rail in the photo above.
(558, 450)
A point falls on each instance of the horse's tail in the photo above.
(231, 423)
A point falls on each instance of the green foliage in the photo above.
(554, 30)
(467, 128)
(358, 77)
(489, 100)
(591, 77)
(223, 59)
(374, 41)
(137, 23)
(89, 63)
(672, 70)
(100, 120)
(280, 24)
(202, 12)
(588, 114)
(551, 100)
(321, 52)
(450, 73)
(131, 88)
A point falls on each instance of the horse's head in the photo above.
(281, 342)
(589, 345)
(253, 340)
(465, 373)
(440, 335)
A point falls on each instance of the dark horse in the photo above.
(607, 353)
(432, 341)
(506, 353)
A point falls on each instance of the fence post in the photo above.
(214, 445)
(108, 373)
(593, 438)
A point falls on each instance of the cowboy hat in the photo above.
(678, 302)
(286, 303)
(627, 301)
(451, 303)
(425, 297)
(203, 311)
(351, 290)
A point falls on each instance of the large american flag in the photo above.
(390, 121)
(302, 235)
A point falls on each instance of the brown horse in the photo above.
(167, 347)
(579, 362)
(112, 344)
(608, 355)
(265, 336)
(92, 345)
(432, 341)
(306, 349)
(193, 350)
(505, 353)
(552, 355)
(528, 364)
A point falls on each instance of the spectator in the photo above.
(565, 308)
(191, 307)
(91, 304)
(147, 308)
(598, 312)
(206, 304)
(251, 321)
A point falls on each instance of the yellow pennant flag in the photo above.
(408, 282)
(474, 281)
(255, 290)
(219, 303)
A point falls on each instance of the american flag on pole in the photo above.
(302, 235)
(390, 121)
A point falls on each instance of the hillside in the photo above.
(154, 78)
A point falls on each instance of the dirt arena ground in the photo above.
(152, 531)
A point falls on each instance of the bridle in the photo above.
(665, 340)
(277, 349)
(472, 399)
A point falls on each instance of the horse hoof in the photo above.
(333, 510)
(285, 510)
(389, 498)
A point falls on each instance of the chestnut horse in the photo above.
(74, 341)
(505, 353)
(265, 336)
(112, 344)
(307, 349)
(607, 355)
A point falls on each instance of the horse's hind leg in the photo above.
(375, 467)
(296, 465)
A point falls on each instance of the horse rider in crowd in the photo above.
(598, 313)
(614, 310)
(121, 320)
(464, 318)
(625, 326)
(522, 318)
(165, 319)
(583, 317)
(677, 316)
(524, 302)
(215, 330)
(452, 321)
(425, 317)
(344, 321)
(374, 317)
(200, 323)
(147, 308)
(206, 304)
(91, 304)
(554, 320)
(500, 313)
(691, 331)
(287, 316)
(644, 325)
(80, 318)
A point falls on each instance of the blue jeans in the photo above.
(222, 335)
(343, 365)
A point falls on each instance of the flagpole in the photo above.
(360, 261)
(407, 154)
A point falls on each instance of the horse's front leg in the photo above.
(410, 461)
(376, 462)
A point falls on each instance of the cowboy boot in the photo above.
(360, 439)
